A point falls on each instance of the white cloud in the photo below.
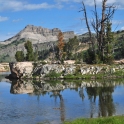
(16, 5)
(68, 0)
(118, 3)
(3, 19)
(122, 28)
(117, 22)
(17, 20)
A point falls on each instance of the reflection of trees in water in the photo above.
(56, 94)
(81, 93)
(92, 94)
(18, 86)
(106, 105)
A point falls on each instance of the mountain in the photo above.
(43, 38)
(38, 35)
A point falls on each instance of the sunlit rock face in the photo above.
(21, 69)
(4, 67)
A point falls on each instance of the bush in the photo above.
(53, 74)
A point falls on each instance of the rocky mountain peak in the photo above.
(38, 34)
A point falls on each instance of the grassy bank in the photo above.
(78, 75)
(107, 120)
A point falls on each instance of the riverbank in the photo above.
(106, 120)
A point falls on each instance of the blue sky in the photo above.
(63, 14)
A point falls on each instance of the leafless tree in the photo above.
(99, 24)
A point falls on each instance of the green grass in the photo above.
(101, 75)
(107, 120)
(53, 74)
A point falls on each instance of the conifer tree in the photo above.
(60, 45)
(109, 42)
(19, 56)
(29, 48)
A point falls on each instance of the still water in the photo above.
(28, 102)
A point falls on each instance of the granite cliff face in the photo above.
(39, 35)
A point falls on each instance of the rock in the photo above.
(25, 69)
(4, 67)
(21, 69)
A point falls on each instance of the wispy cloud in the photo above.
(122, 28)
(19, 5)
(3, 19)
(68, 0)
(117, 22)
(16, 5)
(118, 3)
(17, 20)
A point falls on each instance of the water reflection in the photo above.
(20, 87)
(106, 105)
(56, 94)
(3, 75)
(56, 101)
(101, 90)
(61, 100)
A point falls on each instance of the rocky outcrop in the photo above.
(21, 69)
(4, 67)
(26, 69)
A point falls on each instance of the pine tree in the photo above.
(19, 56)
(60, 45)
(109, 42)
(29, 48)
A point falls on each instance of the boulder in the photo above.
(21, 69)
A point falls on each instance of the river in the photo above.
(22, 103)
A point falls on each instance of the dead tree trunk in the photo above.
(99, 26)
(87, 24)
(102, 32)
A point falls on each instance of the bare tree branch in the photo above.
(87, 23)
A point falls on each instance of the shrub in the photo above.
(53, 74)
